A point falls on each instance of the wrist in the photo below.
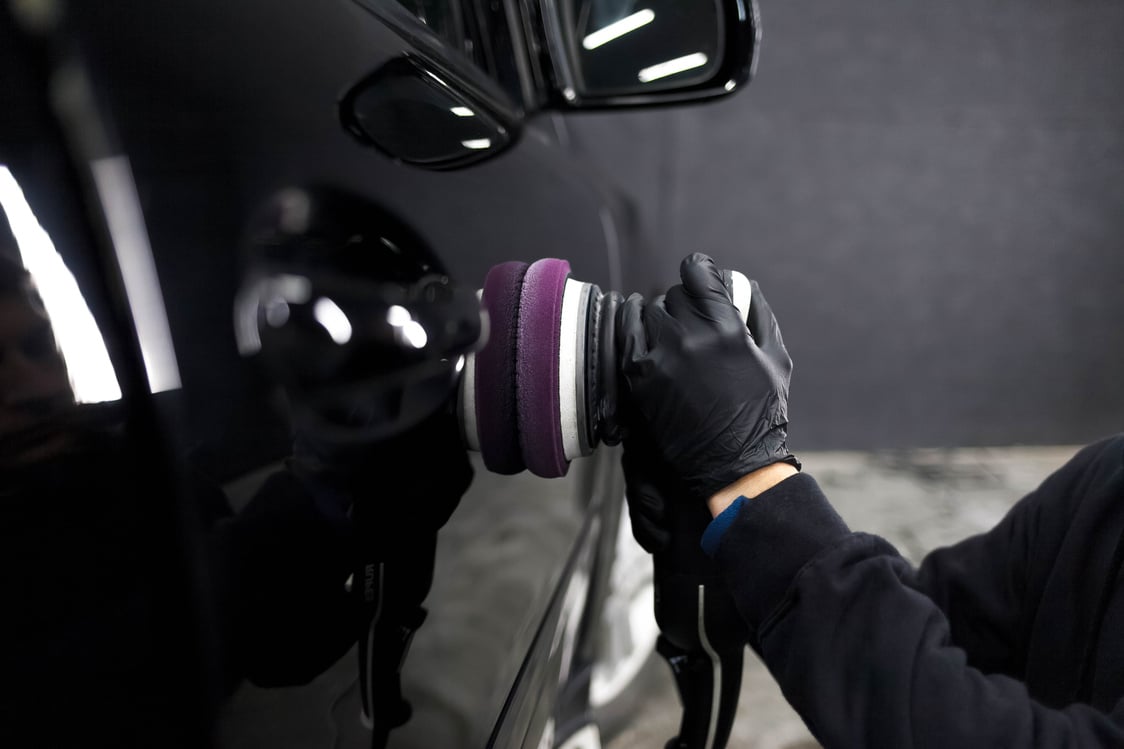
(750, 485)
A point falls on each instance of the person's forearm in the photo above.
(863, 657)
(750, 485)
(866, 661)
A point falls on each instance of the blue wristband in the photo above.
(712, 536)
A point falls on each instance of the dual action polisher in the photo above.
(544, 388)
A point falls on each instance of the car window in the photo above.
(478, 32)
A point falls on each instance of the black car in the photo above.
(169, 572)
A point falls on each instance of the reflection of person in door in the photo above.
(77, 539)
(35, 394)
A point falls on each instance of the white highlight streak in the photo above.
(415, 334)
(468, 405)
(118, 194)
(742, 293)
(477, 144)
(83, 349)
(716, 664)
(462, 112)
(671, 67)
(398, 315)
(334, 320)
(617, 29)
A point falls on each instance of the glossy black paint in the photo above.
(209, 138)
(352, 314)
(562, 650)
(213, 108)
(144, 593)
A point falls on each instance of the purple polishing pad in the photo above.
(536, 367)
(496, 407)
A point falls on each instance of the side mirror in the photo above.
(613, 53)
(527, 55)
(458, 98)
(413, 111)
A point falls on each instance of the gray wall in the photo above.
(932, 197)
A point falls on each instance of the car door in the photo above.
(190, 117)
(217, 107)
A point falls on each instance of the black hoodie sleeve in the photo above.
(990, 586)
(866, 656)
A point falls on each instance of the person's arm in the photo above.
(280, 567)
(864, 657)
(979, 583)
(989, 586)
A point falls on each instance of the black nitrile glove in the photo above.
(710, 391)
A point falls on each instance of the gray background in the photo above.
(932, 197)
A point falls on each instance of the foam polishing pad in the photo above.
(494, 378)
(537, 365)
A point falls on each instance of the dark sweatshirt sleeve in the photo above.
(989, 586)
(864, 657)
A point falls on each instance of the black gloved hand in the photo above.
(710, 392)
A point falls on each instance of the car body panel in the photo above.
(210, 108)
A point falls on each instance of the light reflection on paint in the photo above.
(334, 320)
(415, 334)
(277, 312)
(406, 327)
(113, 178)
(76, 333)
(398, 315)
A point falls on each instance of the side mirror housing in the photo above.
(622, 53)
(415, 112)
(459, 98)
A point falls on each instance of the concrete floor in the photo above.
(917, 499)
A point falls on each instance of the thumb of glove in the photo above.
(702, 278)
